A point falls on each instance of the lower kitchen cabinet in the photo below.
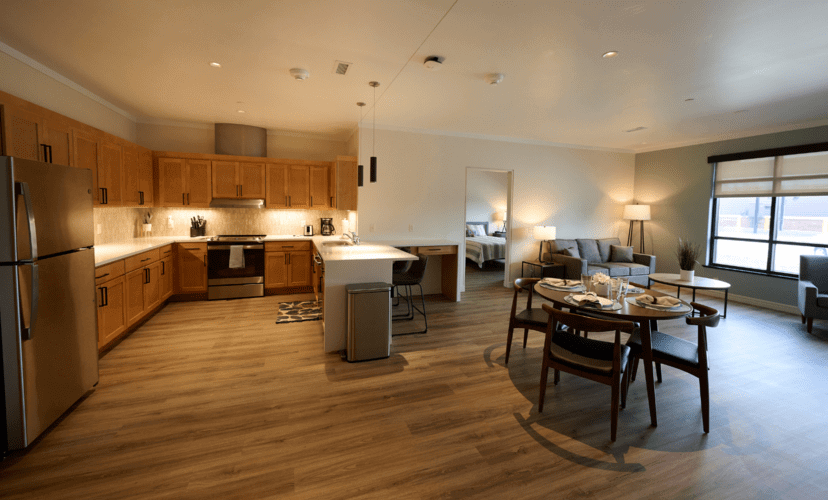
(166, 278)
(111, 314)
(191, 268)
(287, 264)
(135, 295)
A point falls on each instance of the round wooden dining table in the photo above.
(646, 317)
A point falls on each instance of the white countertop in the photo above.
(111, 252)
(410, 242)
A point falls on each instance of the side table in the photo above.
(499, 234)
(547, 269)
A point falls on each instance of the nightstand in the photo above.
(499, 234)
(547, 270)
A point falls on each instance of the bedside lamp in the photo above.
(543, 233)
(634, 213)
(500, 217)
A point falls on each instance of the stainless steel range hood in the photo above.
(236, 203)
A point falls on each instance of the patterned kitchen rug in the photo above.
(294, 312)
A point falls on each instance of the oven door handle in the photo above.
(259, 246)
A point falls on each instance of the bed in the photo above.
(480, 247)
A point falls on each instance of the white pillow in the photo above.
(476, 229)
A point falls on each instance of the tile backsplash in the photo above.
(118, 225)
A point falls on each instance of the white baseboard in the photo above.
(751, 301)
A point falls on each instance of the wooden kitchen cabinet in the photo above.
(191, 267)
(232, 179)
(320, 196)
(137, 176)
(166, 278)
(134, 294)
(345, 186)
(287, 263)
(298, 186)
(152, 286)
(112, 319)
(22, 132)
(277, 186)
(109, 173)
(183, 183)
(87, 155)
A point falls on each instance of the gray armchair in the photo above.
(813, 288)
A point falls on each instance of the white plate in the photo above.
(605, 302)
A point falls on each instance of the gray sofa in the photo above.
(595, 256)
(813, 288)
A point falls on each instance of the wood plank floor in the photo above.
(214, 400)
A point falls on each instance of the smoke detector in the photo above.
(494, 78)
(299, 74)
(433, 63)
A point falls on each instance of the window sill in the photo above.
(786, 276)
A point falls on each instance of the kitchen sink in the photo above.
(337, 244)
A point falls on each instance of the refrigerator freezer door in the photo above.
(46, 375)
(61, 208)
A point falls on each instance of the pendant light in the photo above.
(374, 138)
(359, 131)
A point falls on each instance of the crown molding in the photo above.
(28, 61)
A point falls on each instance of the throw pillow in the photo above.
(571, 251)
(621, 254)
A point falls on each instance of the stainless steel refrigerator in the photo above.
(48, 306)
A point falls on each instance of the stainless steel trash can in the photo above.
(369, 321)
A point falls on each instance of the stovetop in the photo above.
(237, 238)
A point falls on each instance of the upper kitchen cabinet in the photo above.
(183, 183)
(22, 130)
(57, 140)
(320, 193)
(87, 154)
(277, 186)
(346, 196)
(109, 173)
(137, 176)
(232, 179)
(298, 186)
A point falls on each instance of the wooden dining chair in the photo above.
(529, 318)
(597, 360)
(680, 354)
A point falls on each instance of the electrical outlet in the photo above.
(371, 228)
(411, 228)
(98, 229)
(170, 223)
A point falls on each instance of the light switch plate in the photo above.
(98, 229)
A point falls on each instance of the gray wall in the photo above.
(677, 183)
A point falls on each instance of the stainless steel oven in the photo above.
(244, 276)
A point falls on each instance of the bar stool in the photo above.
(406, 279)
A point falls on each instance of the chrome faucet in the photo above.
(353, 236)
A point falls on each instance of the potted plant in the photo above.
(687, 254)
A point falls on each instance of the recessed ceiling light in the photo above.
(494, 78)
(299, 74)
(607, 55)
(215, 64)
(239, 111)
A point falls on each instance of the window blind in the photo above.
(804, 174)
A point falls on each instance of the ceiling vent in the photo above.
(340, 68)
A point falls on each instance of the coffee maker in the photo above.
(328, 227)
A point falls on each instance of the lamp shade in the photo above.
(544, 232)
(636, 212)
(499, 216)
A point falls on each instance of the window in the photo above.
(769, 207)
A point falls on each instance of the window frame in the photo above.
(772, 239)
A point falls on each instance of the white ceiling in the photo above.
(750, 66)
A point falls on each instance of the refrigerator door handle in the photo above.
(22, 189)
(26, 330)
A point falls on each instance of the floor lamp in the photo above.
(543, 233)
(634, 213)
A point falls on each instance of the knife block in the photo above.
(197, 231)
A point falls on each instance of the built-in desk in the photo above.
(446, 249)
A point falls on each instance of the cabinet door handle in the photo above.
(288, 256)
(163, 268)
(47, 153)
(205, 260)
(148, 258)
(183, 198)
(102, 297)
(311, 200)
(140, 197)
(188, 198)
(102, 276)
(106, 295)
(286, 259)
(332, 203)
(106, 195)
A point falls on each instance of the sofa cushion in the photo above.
(571, 252)
(556, 246)
(822, 300)
(616, 269)
(605, 248)
(620, 254)
(635, 269)
(589, 250)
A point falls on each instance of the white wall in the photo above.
(49, 90)
(422, 181)
(485, 195)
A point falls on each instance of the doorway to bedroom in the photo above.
(488, 232)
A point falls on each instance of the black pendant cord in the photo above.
(373, 171)
(360, 168)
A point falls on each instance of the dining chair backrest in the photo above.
(709, 317)
(520, 285)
